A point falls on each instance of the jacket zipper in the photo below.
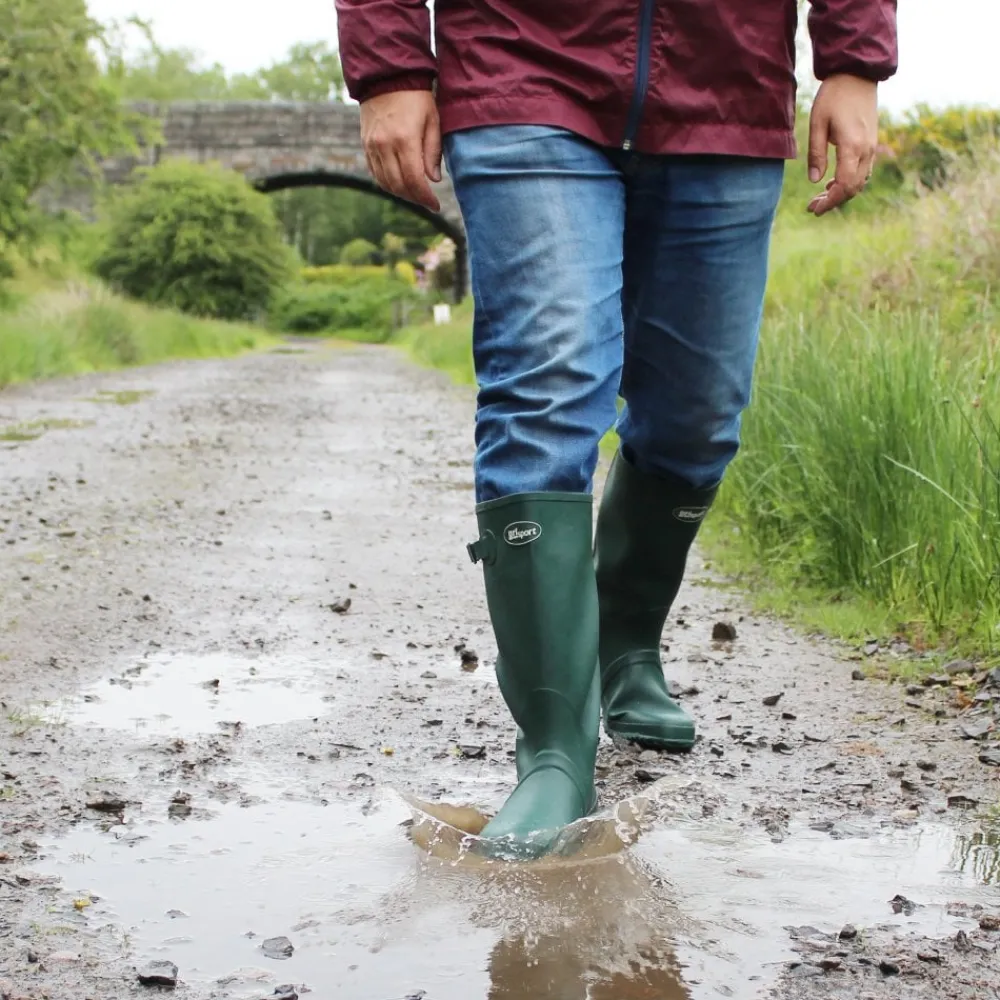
(641, 72)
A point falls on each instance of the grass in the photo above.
(51, 328)
(447, 347)
(32, 429)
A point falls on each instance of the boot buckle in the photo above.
(484, 550)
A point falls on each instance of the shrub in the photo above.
(375, 304)
(358, 252)
(196, 238)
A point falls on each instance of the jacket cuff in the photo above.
(866, 71)
(394, 85)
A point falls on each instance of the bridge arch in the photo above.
(450, 227)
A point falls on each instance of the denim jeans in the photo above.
(599, 273)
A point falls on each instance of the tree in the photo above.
(56, 105)
(311, 72)
(196, 238)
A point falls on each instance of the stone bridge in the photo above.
(278, 145)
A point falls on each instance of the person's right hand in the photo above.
(401, 135)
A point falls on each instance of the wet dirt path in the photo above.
(202, 746)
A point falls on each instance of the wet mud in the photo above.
(249, 732)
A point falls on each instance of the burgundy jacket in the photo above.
(659, 76)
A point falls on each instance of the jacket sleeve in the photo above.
(385, 46)
(854, 36)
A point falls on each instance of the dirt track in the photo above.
(198, 753)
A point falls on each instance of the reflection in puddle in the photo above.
(691, 911)
(187, 695)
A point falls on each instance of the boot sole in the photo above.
(647, 742)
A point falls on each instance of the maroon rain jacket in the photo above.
(659, 76)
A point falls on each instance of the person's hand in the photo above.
(845, 115)
(401, 135)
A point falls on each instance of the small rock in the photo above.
(278, 947)
(799, 970)
(900, 904)
(990, 757)
(341, 606)
(848, 933)
(697, 658)
(107, 804)
(285, 993)
(870, 648)
(990, 922)
(781, 747)
(937, 680)
(895, 772)
(961, 801)
(813, 738)
(888, 967)
(932, 957)
(858, 675)
(831, 964)
(959, 667)
(723, 632)
(915, 689)
(962, 942)
(470, 660)
(674, 689)
(926, 765)
(648, 756)
(976, 730)
(472, 751)
(431, 723)
(789, 716)
(772, 699)
(64, 957)
(428, 675)
(716, 750)
(6, 989)
(158, 974)
(645, 777)
(176, 914)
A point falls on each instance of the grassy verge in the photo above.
(447, 347)
(53, 328)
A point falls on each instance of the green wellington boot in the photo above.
(644, 530)
(536, 550)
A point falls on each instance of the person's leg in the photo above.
(696, 247)
(544, 212)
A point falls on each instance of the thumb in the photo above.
(819, 145)
(432, 148)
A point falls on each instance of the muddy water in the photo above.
(692, 910)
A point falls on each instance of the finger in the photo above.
(851, 171)
(819, 144)
(432, 148)
(414, 186)
(390, 175)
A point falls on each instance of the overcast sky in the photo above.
(948, 47)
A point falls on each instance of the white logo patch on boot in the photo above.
(522, 533)
(690, 515)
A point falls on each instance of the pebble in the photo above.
(962, 942)
(645, 777)
(848, 933)
(649, 755)
(960, 801)
(278, 947)
(285, 993)
(888, 968)
(158, 973)
(108, 804)
(64, 957)
(976, 730)
(926, 765)
(959, 667)
(470, 660)
(772, 699)
(990, 922)
(831, 964)
(341, 606)
(858, 675)
(990, 757)
(723, 632)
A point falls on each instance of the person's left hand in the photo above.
(845, 115)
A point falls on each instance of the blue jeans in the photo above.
(598, 273)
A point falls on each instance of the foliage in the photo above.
(931, 145)
(64, 328)
(375, 304)
(340, 274)
(55, 105)
(196, 238)
(358, 252)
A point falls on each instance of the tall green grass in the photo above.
(65, 327)
(871, 461)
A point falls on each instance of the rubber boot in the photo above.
(644, 531)
(536, 550)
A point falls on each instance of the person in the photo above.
(618, 164)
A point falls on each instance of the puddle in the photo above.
(120, 397)
(690, 912)
(33, 429)
(188, 695)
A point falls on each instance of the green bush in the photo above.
(196, 238)
(376, 304)
(358, 252)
